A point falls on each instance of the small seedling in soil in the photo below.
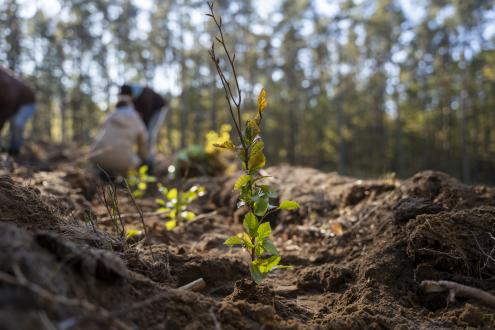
(254, 196)
(175, 203)
(138, 180)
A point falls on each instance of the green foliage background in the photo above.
(366, 88)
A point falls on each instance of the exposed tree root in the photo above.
(461, 290)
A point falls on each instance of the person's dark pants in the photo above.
(17, 125)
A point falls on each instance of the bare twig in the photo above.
(229, 95)
(461, 290)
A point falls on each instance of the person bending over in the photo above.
(17, 105)
(122, 144)
(152, 107)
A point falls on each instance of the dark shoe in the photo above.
(14, 152)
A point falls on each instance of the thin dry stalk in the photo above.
(103, 199)
(141, 216)
(228, 90)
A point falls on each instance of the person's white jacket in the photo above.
(122, 144)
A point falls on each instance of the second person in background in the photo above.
(122, 144)
(153, 108)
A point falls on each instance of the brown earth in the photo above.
(359, 250)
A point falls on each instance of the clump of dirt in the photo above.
(325, 278)
(24, 206)
(29, 208)
(431, 227)
(454, 243)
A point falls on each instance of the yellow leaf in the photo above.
(261, 106)
(226, 145)
(337, 229)
(262, 101)
(171, 224)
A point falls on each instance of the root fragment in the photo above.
(196, 285)
(461, 290)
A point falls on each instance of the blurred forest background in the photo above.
(364, 87)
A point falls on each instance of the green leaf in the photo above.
(247, 241)
(142, 186)
(130, 233)
(264, 231)
(269, 247)
(272, 262)
(289, 205)
(160, 201)
(281, 267)
(246, 194)
(241, 181)
(188, 215)
(233, 240)
(266, 265)
(257, 159)
(163, 209)
(256, 275)
(162, 189)
(258, 250)
(143, 170)
(250, 223)
(225, 145)
(252, 130)
(172, 194)
(268, 191)
(137, 193)
(260, 207)
(171, 224)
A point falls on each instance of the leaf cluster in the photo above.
(256, 197)
(175, 204)
(138, 180)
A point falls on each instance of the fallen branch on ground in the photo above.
(461, 290)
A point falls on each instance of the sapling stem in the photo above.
(253, 196)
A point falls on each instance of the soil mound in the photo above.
(358, 249)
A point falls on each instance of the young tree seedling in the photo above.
(138, 180)
(254, 196)
(175, 203)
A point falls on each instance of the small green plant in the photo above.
(175, 203)
(254, 196)
(138, 180)
(130, 233)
